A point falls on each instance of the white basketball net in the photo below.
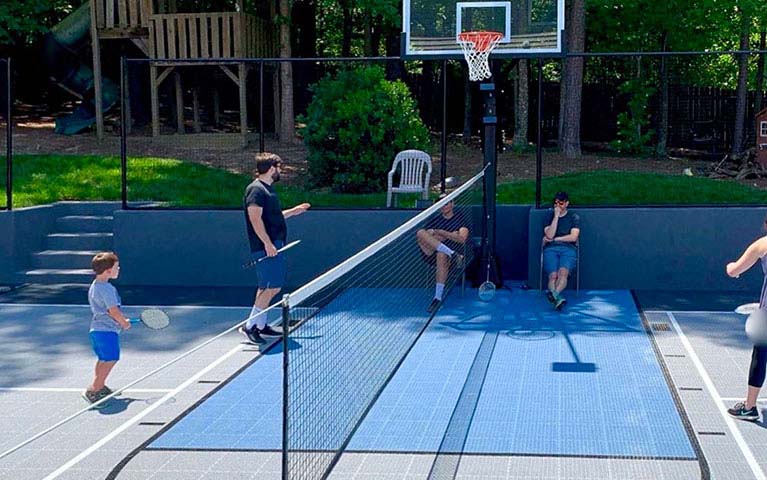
(476, 48)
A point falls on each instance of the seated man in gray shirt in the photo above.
(560, 241)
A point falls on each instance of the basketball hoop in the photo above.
(476, 48)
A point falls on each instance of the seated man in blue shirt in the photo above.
(560, 241)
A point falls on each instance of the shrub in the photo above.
(355, 125)
(633, 135)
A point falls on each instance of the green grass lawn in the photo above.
(42, 179)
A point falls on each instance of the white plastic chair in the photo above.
(413, 164)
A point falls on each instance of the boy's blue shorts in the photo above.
(559, 256)
(271, 271)
(106, 345)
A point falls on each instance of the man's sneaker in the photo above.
(559, 301)
(93, 397)
(434, 305)
(550, 297)
(105, 392)
(252, 335)
(267, 330)
(740, 412)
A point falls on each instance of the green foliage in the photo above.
(355, 125)
(633, 135)
(21, 21)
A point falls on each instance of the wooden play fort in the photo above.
(171, 39)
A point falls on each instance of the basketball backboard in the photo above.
(529, 27)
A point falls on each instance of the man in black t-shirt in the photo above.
(560, 241)
(267, 232)
(443, 235)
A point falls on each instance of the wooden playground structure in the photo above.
(171, 39)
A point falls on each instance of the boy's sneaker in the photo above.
(252, 335)
(267, 330)
(433, 306)
(740, 412)
(550, 297)
(93, 397)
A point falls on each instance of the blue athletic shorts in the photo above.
(271, 271)
(558, 256)
(106, 345)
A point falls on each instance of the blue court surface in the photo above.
(510, 377)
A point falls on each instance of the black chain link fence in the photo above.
(6, 103)
(193, 143)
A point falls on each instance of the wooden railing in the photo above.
(121, 14)
(181, 36)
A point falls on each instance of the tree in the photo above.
(287, 132)
(572, 82)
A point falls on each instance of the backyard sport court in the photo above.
(618, 385)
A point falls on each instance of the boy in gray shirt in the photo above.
(107, 323)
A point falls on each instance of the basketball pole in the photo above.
(489, 120)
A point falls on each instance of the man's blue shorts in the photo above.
(106, 345)
(271, 271)
(559, 256)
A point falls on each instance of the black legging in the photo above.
(756, 372)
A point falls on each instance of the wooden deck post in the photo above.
(154, 87)
(96, 47)
(179, 103)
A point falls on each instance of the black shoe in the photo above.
(434, 305)
(740, 412)
(105, 392)
(560, 302)
(550, 297)
(252, 335)
(267, 330)
(93, 397)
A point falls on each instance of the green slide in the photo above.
(61, 48)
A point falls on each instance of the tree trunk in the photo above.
(760, 72)
(742, 92)
(367, 27)
(305, 28)
(394, 70)
(522, 103)
(570, 141)
(662, 129)
(287, 118)
(346, 39)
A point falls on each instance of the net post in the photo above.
(490, 121)
(9, 135)
(285, 362)
(123, 133)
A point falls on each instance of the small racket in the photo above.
(747, 308)
(153, 318)
(255, 262)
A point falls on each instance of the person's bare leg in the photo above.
(443, 264)
(552, 281)
(263, 299)
(427, 242)
(561, 282)
(101, 372)
(751, 397)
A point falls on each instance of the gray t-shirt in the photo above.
(102, 296)
(564, 226)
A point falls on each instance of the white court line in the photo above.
(182, 307)
(698, 312)
(74, 461)
(78, 390)
(740, 399)
(744, 448)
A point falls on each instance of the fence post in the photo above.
(261, 106)
(539, 139)
(123, 135)
(443, 156)
(9, 136)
